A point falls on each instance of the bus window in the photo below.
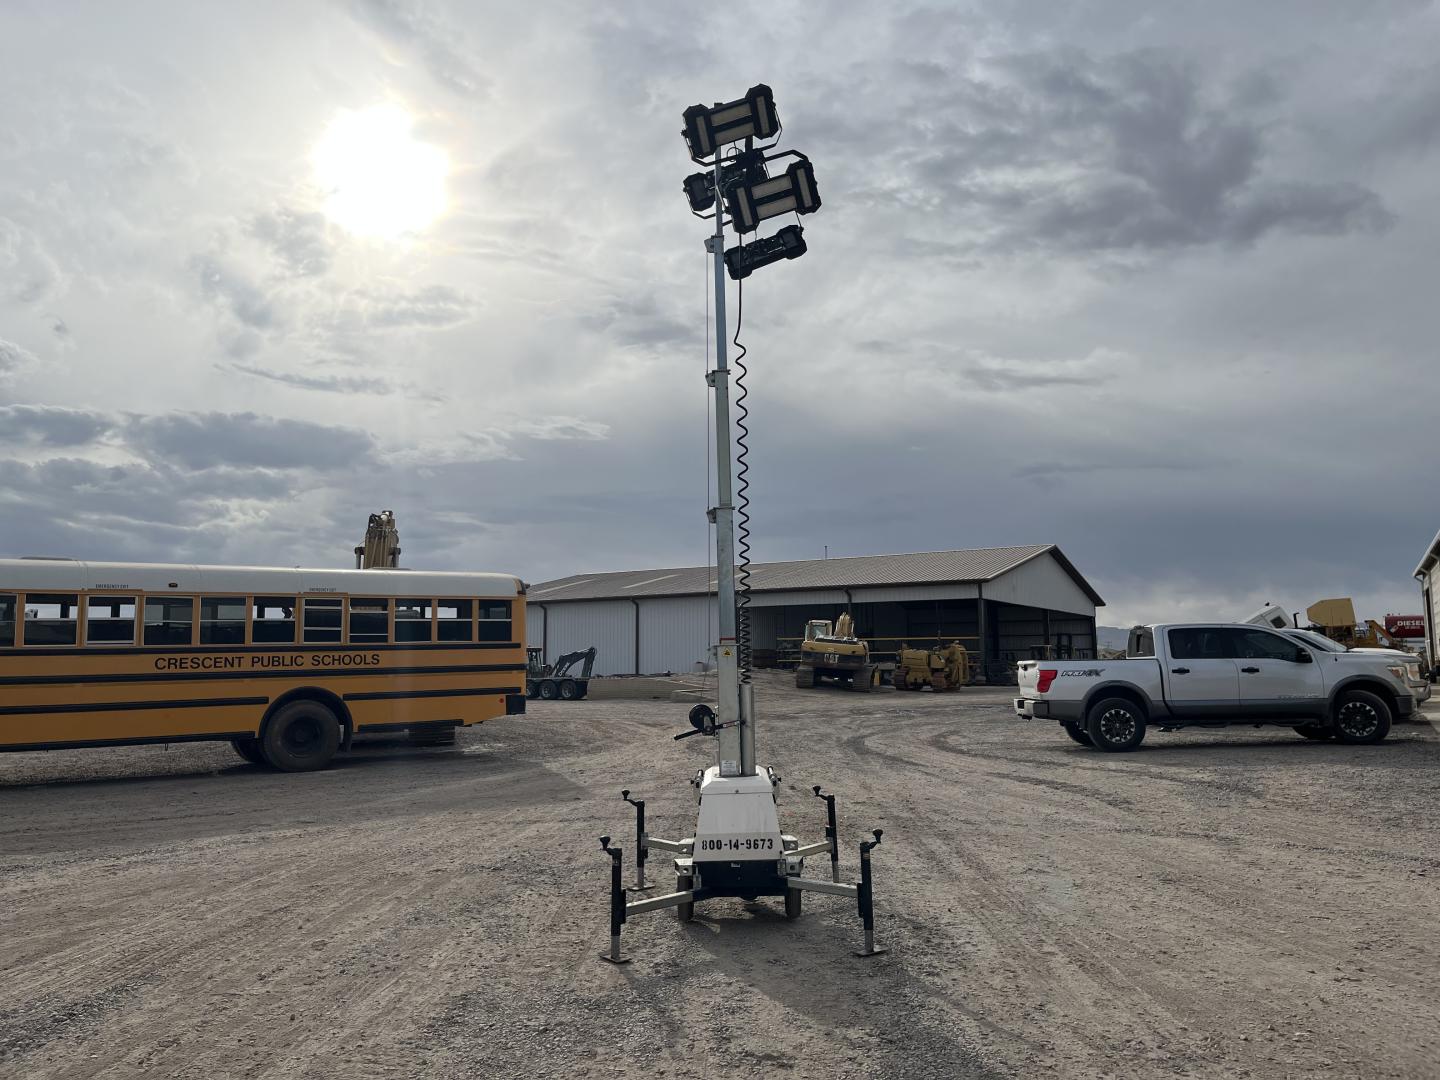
(169, 619)
(494, 620)
(453, 620)
(323, 620)
(7, 621)
(412, 620)
(369, 621)
(110, 620)
(273, 621)
(50, 618)
(222, 620)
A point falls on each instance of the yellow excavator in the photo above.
(832, 651)
(945, 668)
(381, 549)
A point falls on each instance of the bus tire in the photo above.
(249, 749)
(301, 737)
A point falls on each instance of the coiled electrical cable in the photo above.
(742, 497)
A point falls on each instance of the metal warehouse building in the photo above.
(1021, 602)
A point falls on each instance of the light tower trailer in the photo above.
(738, 849)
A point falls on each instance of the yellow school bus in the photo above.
(286, 664)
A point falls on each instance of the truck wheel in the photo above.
(568, 690)
(548, 690)
(301, 737)
(1076, 732)
(804, 677)
(1115, 725)
(249, 749)
(531, 690)
(1315, 731)
(792, 903)
(1361, 717)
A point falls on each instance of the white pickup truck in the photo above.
(1211, 675)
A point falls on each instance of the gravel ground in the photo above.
(1231, 903)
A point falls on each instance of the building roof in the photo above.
(919, 568)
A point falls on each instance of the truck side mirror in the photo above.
(1304, 657)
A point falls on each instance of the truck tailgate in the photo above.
(1027, 675)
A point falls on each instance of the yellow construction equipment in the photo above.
(1336, 619)
(381, 549)
(945, 668)
(834, 652)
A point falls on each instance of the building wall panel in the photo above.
(609, 625)
(1041, 583)
(676, 633)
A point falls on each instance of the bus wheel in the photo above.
(302, 736)
(249, 749)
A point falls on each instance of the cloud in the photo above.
(427, 37)
(296, 238)
(433, 307)
(28, 272)
(227, 287)
(51, 425)
(237, 440)
(14, 359)
(336, 384)
(561, 428)
(1083, 154)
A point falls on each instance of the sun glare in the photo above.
(375, 178)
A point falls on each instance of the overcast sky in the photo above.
(1153, 282)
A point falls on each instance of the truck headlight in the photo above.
(1398, 670)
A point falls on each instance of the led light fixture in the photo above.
(788, 243)
(751, 117)
(793, 191)
(747, 166)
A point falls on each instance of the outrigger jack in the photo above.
(738, 849)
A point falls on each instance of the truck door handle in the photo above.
(1179, 671)
(1251, 670)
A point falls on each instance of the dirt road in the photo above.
(1233, 903)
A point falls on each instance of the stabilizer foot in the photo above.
(872, 952)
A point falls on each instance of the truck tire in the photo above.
(1076, 732)
(302, 737)
(249, 749)
(1361, 717)
(1318, 732)
(804, 676)
(548, 690)
(532, 690)
(1115, 725)
(568, 690)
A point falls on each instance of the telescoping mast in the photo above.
(738, 849)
